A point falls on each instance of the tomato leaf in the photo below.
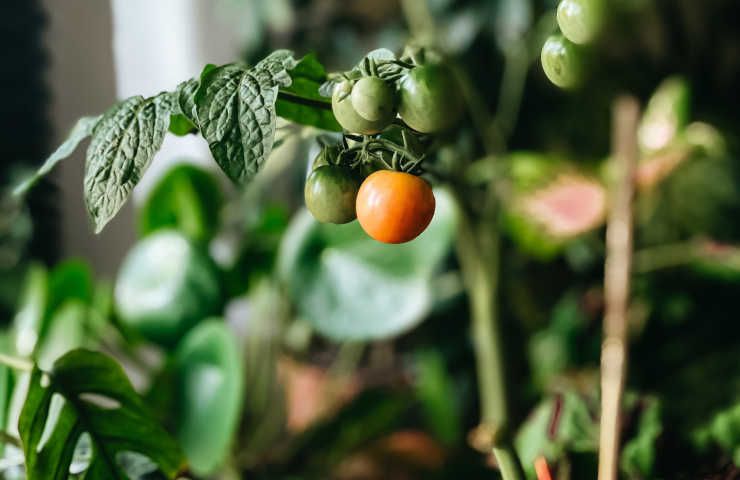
(81, 130)
(123, 145)
(88, 392)
(307, 76)
(235, 109)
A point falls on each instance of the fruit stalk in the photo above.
(617, 283)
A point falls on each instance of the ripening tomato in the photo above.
(394, 207)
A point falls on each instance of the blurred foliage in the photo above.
(343, 358)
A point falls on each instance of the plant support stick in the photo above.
(617, 282)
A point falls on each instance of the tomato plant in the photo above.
(454, 328)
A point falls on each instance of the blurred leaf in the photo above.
(210, 390)
(187, 198)
(69, 280)
(181, 126)
(639, 452)
(558, 425)
(666, 114)
(89, 392)
(6, 389)
(66, 331)
(29, 318)
(551, 203)
(436, 391)
(511, 20)
(350, 287)
(308, 75)
(165, 286)
(82, 129)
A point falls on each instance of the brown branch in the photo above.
(617, 282)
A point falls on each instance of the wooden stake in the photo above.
(617, 282)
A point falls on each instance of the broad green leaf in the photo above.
(209, 374)
(81, 130)
(123, 145)
(165, 286)
(350, 287)
(236, 112)
(187, 198)
(88, 392)
(29, 318)
(307, 76)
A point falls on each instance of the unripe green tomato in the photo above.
(330, 194)
(562, 61)
(165, 286)
(430, 99)
(347, 116)
(581, 20)
(374, 99)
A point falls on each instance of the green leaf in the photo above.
(124, 143)
(81, 130)
(236, 112)
(29, 318)
(66, 331)
(666, 114)
(436, 391)
(187, 198)
(210, 376)
(639, 452)
(181, 126)
(307, 76)
(350, 287)
(88, 392)
(70, 280)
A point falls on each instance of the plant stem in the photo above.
(478, 250)
(16, 362)
(617, 283)
(308, 102)
(9, 439)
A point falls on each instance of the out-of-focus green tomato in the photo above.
(562, 61)
(581, 20)
(209, 375)
(165, 286)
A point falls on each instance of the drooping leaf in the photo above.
(88, 392)
(307, 76)
(81, 130)
(236, 112)
(350, 287)
(124, 143)
(209, 376)
(187, 198)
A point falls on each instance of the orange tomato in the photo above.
(394, 207)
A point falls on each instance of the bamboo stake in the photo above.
(617, 282)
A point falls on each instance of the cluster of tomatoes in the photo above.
(563, 54)
(374, 175)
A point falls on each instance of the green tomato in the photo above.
(374, 99)
(562, 61)
(330, 194)
(347, 116)
(165, 286)
(430, 99)
(581, 20)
